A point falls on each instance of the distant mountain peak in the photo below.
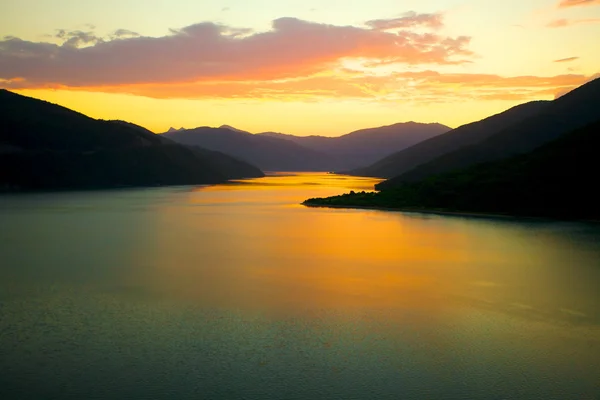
(171, 130)
(231, 128)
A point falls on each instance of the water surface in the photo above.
(237, 291)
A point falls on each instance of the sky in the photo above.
(301, 67)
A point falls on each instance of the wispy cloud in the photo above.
(77, 38)
(563, 22)
(576, 3)
(424, 86)
(566, 90)
(408, 20)
(568, 59)
(209, 51)
(124, 33)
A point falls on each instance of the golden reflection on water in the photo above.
(250, 244)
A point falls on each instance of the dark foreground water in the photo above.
(238, 292)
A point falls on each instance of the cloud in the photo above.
(460, 87)
(416, 87)
(576, 3)
(124, 33)
(564, 91)
(408, 20)
(568, 59)
(563, 22)
(294, 60)
(77, 38)
(209, 51)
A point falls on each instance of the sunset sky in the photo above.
(301, 67)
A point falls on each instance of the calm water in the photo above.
(238, 292)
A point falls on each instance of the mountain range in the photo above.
(273, 151)
(404, 160)
(46, 146)
(268, 153)
(366, 146)
(515, 131)
(543, 163)
(555, 180)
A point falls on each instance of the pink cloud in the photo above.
(563, 22)
(296, 59)
(576, 3)
(208, 52)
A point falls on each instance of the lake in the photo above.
(237, 291)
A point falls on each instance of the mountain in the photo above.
(571, 111)
(171, 129)
(465, 135)
(365, 146)
(281, 152)
(46, 146)
(231, 128)
(557, 179)
(268, 153)
(143, 130)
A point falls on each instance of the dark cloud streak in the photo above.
(123, 33)
(568, 59)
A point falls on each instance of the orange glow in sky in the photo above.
(302, 69)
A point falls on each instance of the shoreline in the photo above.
(450, 213)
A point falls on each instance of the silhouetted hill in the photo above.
(134, 126)
(35, 125)
(46, 146)
(427, 150)
(231, 128)
(571, 111)
(366, 146)
(555, 180)
(281, 152)
(171, 129)
(228, 166)
(143, 130)
(268, 153)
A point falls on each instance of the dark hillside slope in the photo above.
(405, 160)
(268, 153)
(36, 125)
(558, 179)
(576, 109)
(46, 146)
(365, 146)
